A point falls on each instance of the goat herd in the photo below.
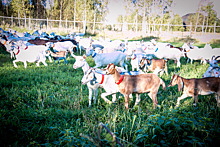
(143, 56)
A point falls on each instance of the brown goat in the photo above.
(194, 87)
(142, 83)
(154, 65)
(61, 55)
(38, 41)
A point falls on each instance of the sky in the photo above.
(182, 7)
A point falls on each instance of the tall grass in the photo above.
(48, 106)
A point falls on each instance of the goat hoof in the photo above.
(195, 104)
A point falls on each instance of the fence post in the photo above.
(25, 25)
(12, 20)
(47, 23)
(190, 30)
(29, 22)
(94, 22)
(19, 23)
(66, 25)
(214, 30)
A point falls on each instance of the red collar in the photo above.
(17, 52)
(26, 48)
(120, 80)
(102, 79)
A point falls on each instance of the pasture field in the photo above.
(48, 106)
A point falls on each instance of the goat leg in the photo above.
(195, 99)
(126, 100)
(180, 98)
(138, 99)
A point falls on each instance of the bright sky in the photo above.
(190, 6)
(182, 7)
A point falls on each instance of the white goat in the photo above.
(107, 58)
(135, 60)
(166, 52)
(213, 69)
(92, 86)
(61, 46)
(35, 53)
(192, 54)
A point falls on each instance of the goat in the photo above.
(117, 57)
(38, 41)
(135, 60)
(33, 54)
(214, 69)
(58, 56)
(92, 86)
(142, 83)
(164, 51)
(154, 65)
(105, 81)
(62, 46)
(194, 87)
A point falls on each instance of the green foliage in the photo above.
(48, 106)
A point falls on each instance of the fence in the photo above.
(94, 27)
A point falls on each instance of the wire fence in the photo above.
(69, 26)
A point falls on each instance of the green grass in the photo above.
(48, 106)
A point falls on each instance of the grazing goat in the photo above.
(117, 57)
(214, 69)
(58, 56)
(194, 87)
(154, 65)
(142, 83)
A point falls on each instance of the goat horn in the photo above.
(217, 57)
(213, 57)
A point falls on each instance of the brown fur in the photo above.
(58, 54)
(154, 63)
(194, 87)
(137, 84)
(38, 41)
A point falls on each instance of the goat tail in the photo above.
(162, 84)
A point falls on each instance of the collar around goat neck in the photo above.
(17, 52)
(120, 80)
(102, 79)
(94, 55)
(26, 47)
(4, 42)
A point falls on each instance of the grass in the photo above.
(48, 106)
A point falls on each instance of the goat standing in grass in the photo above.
(154, 65)
(214, 69)
(142, 83)
(92, 86)
(103, 59)
(58, 56)
(194, 87)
